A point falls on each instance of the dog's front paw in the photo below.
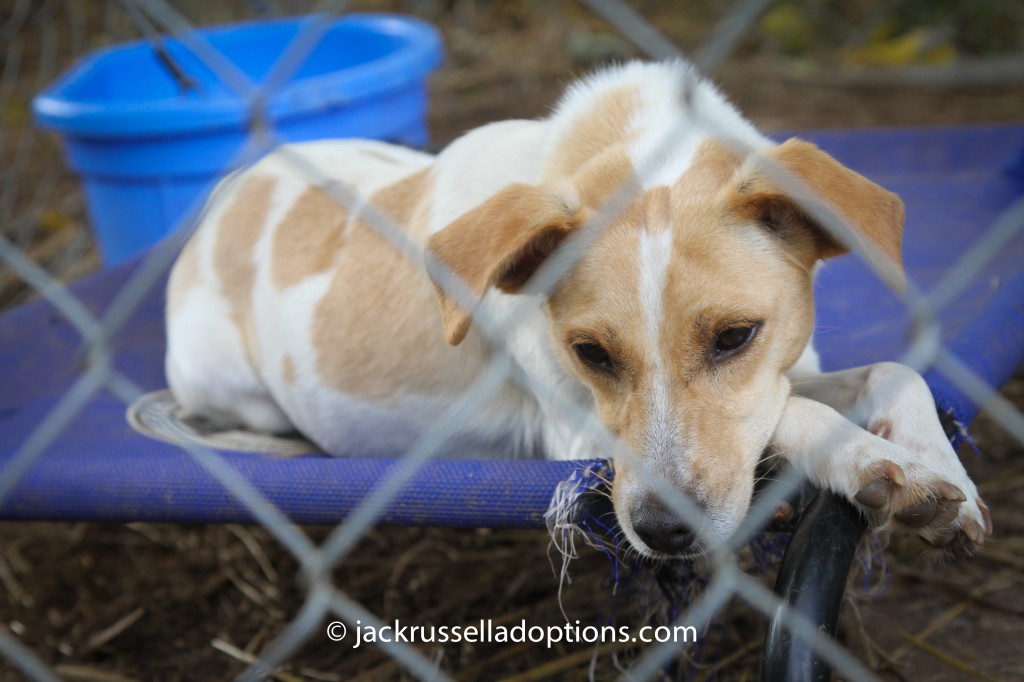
(942, 507)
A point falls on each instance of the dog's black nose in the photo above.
(661, 529)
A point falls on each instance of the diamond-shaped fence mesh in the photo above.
(43, 247)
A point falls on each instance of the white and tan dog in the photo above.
(684, 328)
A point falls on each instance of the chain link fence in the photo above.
(43, 246)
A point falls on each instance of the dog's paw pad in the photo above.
(941, 538)
(918, 515)
(946, 512)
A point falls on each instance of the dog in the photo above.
(683, 328)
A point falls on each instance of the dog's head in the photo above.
(683, 315)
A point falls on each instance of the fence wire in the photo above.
(36, 265)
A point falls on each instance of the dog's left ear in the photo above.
(875, 214)
(500, 243)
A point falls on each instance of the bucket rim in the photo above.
(190, 113)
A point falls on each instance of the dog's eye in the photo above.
(594, 355)
(730, 341)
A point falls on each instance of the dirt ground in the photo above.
(169, 602)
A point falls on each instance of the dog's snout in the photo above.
(661, 529)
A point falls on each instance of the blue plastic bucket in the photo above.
(146, 150)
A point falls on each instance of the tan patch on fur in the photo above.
(377, 331)
(239, 230)
(594, 152)
(288, 369)
(695, 196)
(184, 276)
(308, 239)
(713, 167)
(605, 124)
(698, 190)
(607, 178)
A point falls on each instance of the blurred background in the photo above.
(164, 602)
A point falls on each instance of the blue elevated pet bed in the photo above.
(956, 184)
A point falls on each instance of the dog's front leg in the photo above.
(871, 434)
(891, 401)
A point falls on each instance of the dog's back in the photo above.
(256, 304)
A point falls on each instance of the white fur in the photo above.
(655, 255)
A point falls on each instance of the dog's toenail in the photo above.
(950, 492)
(874, 495)
(975, 532)
(987, 516)
(894, 472)
(918, 515)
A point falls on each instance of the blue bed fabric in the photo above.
(955, 182)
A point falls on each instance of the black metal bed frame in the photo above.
(812, 580)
